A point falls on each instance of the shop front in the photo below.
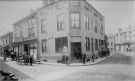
(30, 47)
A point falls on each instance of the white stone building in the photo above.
(125, 40)
(70, 27)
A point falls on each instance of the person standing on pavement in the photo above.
(67, 60)
(93, 57)
(31, 59)
(5, 54)
(83, 58)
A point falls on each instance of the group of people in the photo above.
(66, 59)
(10, 53)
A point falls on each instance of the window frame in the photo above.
(44, 48)
(86, 21)
(60, 22)
(73, 20)
(43, 26)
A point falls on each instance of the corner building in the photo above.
(70, 27)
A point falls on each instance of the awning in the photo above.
(25, 42)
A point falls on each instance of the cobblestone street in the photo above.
(119, 67)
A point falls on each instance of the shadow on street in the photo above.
(118, 59)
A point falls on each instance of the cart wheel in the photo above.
(18, 61)
(26, 62)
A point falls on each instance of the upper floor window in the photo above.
(21, 34)
(95, 27)
(43, 26)
(75, 2)
(31, 31)
(95, 14)
(101, 30)
(101, 19)
(60, 4)
(86, 20)
(60, 22)
(33, 20)
(87, 43)
(29, 22)
(75, 20)
(86, 7)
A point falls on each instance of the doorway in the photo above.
(76, 50)
(26, 48)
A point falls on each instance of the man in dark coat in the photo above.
(67, 59)
(31, 59)
(83, 58)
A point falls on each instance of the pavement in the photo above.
(46, 71)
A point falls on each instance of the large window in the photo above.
(87, 43)
(60, 43)
(75, 2)
(60, 22)
(75, 20)
(43, 26)
(86, 20)
(44, 48)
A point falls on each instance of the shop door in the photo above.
(26, 48)
(76, 50)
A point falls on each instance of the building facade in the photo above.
(6, 41)
(125, 41)
(25, 36)
(111, 42)
(70, 27)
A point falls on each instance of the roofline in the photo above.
(93, 8)
(124, 31)
(26, 17)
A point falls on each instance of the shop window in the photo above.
(31, 31)
(44, 47)
(60, 43)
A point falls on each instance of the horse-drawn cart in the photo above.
(23, 59)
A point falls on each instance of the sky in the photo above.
(118, 14)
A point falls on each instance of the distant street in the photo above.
(119, 67)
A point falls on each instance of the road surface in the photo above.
(119, 67)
